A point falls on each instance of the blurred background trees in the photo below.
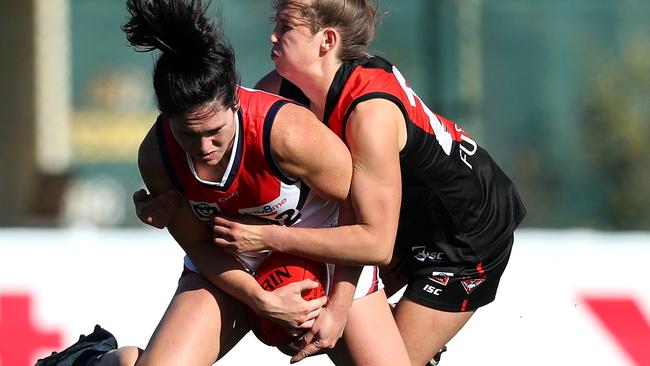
(616, 126)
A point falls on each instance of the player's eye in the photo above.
(212, 132)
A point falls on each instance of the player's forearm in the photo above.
(243, 287)
(344, 245)
(343, 287)
(226, 273)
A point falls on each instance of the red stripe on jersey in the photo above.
(464, 306)
(479, 268)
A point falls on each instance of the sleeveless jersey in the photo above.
(252, 183)
(452, 190)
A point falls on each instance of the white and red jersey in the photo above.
(252, 183)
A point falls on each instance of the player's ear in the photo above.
(331, 39)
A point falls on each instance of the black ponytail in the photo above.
(197, 64)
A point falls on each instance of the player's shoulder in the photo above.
(149, 152)
(150, 160)
(292, 114)
(293, 126)
(270, 82)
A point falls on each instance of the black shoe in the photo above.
(87, 347)
(436, 359)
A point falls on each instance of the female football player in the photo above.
(420, 185)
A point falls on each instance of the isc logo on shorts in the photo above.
(432, 290)
(422, 255)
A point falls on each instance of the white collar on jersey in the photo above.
(233, 153)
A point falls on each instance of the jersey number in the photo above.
(439, 129)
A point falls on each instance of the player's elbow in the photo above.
(382, 253)
(385, 256)
(377, 247)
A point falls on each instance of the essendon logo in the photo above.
(472, 284)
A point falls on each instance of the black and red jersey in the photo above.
(252, 183)
(452, 190)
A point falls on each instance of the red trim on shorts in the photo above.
(479, 268)
(375, 281)
(464, 306)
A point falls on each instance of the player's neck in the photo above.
(214, 172)
(317, 86)
(211, 173)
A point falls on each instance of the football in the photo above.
(277, 270)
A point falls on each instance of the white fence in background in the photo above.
(567, 298)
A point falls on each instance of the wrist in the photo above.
(259, 298)
(339, 303)
(269, 235)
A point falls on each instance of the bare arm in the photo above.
(370, 216)
(306, 149)
(299, 143)
(375, 194)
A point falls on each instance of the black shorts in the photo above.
(444, 277)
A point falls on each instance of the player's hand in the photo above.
(159, 211)
(286, 307)
(323, 335)
(243, 233)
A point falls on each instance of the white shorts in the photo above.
(369, 280)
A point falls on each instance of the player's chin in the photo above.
(281, 68)
(211, 162)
